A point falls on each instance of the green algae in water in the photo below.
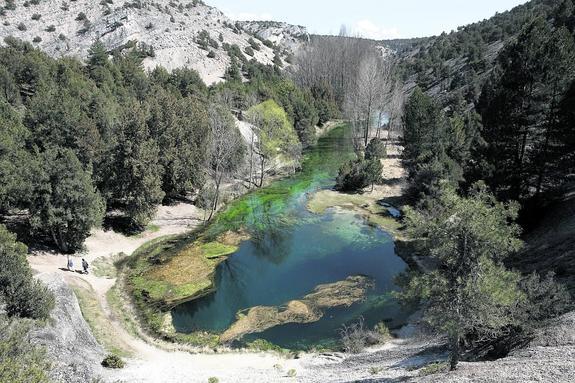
(266, 207)
(291, 251)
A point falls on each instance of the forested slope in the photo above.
(79, 139)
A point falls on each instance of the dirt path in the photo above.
(152, 361)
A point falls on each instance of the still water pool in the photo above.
(291, 251)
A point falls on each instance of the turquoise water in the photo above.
(292, 251)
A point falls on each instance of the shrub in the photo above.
(545, 299)
(22, 27)
(20, 360)
(382, 330)
(22, 294)
(213, 43)
(81, 16)
(50, 28)
(37, 39)
(213, 379)
(249, 51)
(113, 361)
(375, 150)
(292, 373)
(10, 5)
(268, 44)
(212, 54)
(358, 174)
(254, 44)
(149, 26)
(355, 337)
(36, 16)
(375, 370)
(62, 37)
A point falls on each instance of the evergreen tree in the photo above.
(426, 146)
(16, 163)
(375, 150)
(469, 292)
(135, 174)
(520, 107)
(64, 203)
(179, 126)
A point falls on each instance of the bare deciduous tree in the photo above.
(368, 96)
(225, 153)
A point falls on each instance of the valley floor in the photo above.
(80, 335)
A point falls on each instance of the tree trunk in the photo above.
(453, 351)
(263, 169)
(218, 180)
(251, 161)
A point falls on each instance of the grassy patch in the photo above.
(325, 199)
(215, 249)
(197, 339)
(116, 303)
(105, 267)
(96, 319)
(265, 346)
(433, 368)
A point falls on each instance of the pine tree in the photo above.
(65, 204)
(16, 163)
(470, 291)
(179, 126)
(135, 178)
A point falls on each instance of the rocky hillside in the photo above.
(286, 36)
(176, 33)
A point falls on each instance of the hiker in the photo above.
(85, 266)
(70, 264)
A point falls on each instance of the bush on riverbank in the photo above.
(113, 361)
(356, 337)
(358, 174)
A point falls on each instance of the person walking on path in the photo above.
(85, 266)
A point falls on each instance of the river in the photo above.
(292, 250)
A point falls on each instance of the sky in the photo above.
(377, 19)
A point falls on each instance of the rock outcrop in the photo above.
(74, 352)
(287, 36)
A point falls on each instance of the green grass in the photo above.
(216, 249)
(96, 319)
(116, 302)
(197, 339)
(105, 267)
